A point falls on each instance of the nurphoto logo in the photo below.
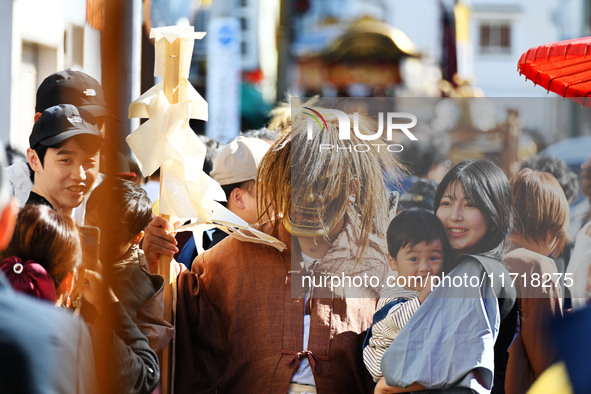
(388, 122)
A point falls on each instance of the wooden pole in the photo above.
(172, 71)
(171, 91)
(113, 57)
(510, 145)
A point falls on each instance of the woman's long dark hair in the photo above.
(485, 184)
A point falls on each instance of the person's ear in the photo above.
(7, 220)
(34, 160)
(392, 263)
(236, 197)
(136, 239)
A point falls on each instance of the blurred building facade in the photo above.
(486, 40)
(491, 35)
(40, 38)
(319, 40)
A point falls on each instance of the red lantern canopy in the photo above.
(562, 67)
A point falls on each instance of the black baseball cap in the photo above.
(60, 122)
(72, 87)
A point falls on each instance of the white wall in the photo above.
(32, 33)
(6, 17)
(75, 12)
(535, 22)
(419, 20)
(37, 26)
(267, 27)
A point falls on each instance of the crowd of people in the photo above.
(82, 310)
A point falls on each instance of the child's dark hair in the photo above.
(134, 208)
(411, 227)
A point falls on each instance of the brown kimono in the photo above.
(240, 330)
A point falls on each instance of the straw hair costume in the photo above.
(239, 323)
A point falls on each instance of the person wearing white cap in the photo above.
(235, 169)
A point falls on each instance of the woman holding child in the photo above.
(454, 341)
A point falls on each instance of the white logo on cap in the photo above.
(75, 119)
(89, 92)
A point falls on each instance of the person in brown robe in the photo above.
(252, 319)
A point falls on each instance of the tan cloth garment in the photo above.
(239, 326)
(295, 388)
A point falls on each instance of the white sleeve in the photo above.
(400, 314)
(384, 332)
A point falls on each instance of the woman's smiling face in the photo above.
(464, 223)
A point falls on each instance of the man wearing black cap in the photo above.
(64, 155)
(63, 87)
(72, 87)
